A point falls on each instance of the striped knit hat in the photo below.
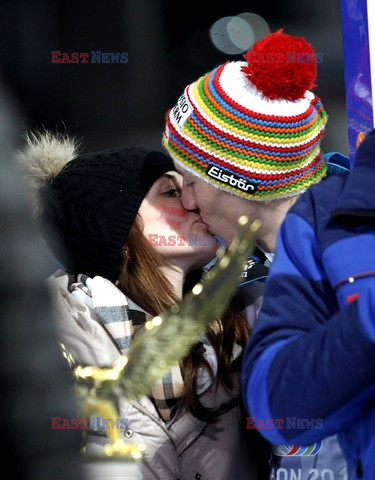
(253, 128)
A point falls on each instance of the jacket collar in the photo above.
(357, 197)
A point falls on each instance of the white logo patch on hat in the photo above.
(231, 179)
(182, 110)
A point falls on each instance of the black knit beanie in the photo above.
(91, 205)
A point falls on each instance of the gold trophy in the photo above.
(165, 340)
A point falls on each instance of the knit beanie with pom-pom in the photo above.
(253, 128)
(88, 201)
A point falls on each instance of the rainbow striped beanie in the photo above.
(253, 128)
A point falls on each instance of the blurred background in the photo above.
(169, 44)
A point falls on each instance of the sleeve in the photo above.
(308, 366)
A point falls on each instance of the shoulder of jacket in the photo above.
(336, 163)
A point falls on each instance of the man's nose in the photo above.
(188, 200)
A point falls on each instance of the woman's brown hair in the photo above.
(142, 280)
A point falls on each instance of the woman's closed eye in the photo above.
(173, 192)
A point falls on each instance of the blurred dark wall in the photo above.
(109, 104)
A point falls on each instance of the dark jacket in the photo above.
(310, 361)
(321, 459)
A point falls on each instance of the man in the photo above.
(246, 138)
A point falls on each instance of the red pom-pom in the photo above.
(281, 66)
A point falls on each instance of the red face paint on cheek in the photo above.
(172, 217)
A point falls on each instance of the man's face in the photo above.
(218, 209)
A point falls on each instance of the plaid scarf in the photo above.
(122, 319)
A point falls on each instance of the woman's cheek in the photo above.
(173, 217)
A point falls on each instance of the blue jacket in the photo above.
(308, 369)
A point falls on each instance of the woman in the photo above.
(125, 244)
